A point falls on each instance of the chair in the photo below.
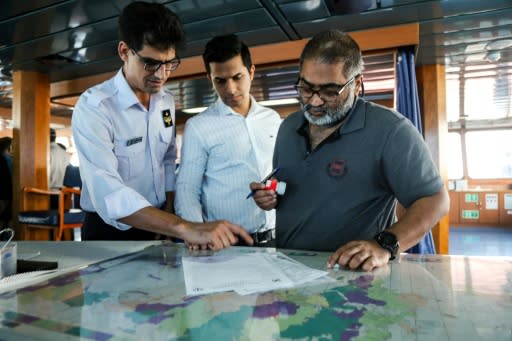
(67, 215)
(72, 177)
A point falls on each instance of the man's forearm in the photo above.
(155, 220)
(420, 217)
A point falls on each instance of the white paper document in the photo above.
(244, 273)
(297, 272)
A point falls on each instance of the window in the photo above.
(479, 113)
(455, 166)
(489, 154)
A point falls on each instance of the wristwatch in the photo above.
(387, 240)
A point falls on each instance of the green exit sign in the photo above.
(471, 197)
(470, 214)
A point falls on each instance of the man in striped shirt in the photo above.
(227, 146)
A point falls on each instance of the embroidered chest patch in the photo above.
(166, 116)
(337, 168)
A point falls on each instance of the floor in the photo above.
(480, 241)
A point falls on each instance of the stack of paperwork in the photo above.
(245, 273)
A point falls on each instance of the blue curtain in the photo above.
(408, 105)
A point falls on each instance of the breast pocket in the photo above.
(164, 143)
(130, 158)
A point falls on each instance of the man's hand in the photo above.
(265, 199)
(214, 235)
(360, 254)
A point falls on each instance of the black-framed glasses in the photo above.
(327, 93)
(154, 65)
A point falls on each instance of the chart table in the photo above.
(138, 297)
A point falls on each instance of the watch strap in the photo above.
(388, 241)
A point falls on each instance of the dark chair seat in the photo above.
(67, 216)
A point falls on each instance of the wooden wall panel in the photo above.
(31, 124)
(505, 211)
(454, 213)
(432, 93)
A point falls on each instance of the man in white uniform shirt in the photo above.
(125, 137)
(227, 145)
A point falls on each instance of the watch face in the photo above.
(388, 238)
(389, 242)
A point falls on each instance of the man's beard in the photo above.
(331, 116)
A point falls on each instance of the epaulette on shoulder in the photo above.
(97, 94)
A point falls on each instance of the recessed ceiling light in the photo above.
(5, 82)
(493, 56)
(499, 44)
(275, 102)
(194, 110)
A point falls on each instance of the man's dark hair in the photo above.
(152, 24)
(5, 144)
(222, 48)
(53, 135)
(332, 47)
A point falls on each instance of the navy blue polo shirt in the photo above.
(346, 189)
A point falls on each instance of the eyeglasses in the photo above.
(153, 65)
(327, 93)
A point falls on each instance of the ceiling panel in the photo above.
(266, 35)
(9, 9)
(55, 19)
(191, 11)
(300, 11)
(451, 40)
(71, 39)
(240, 22)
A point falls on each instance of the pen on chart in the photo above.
(274, 172)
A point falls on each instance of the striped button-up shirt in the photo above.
(222, 153)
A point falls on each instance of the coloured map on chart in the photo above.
(138, 298)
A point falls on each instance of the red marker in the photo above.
(274, 172)
(278, 186)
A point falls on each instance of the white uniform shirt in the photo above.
(127, 154)
(222, 153)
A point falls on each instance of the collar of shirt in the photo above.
(223, 109)
(126, 95)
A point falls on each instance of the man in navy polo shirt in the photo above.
(346, 162)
